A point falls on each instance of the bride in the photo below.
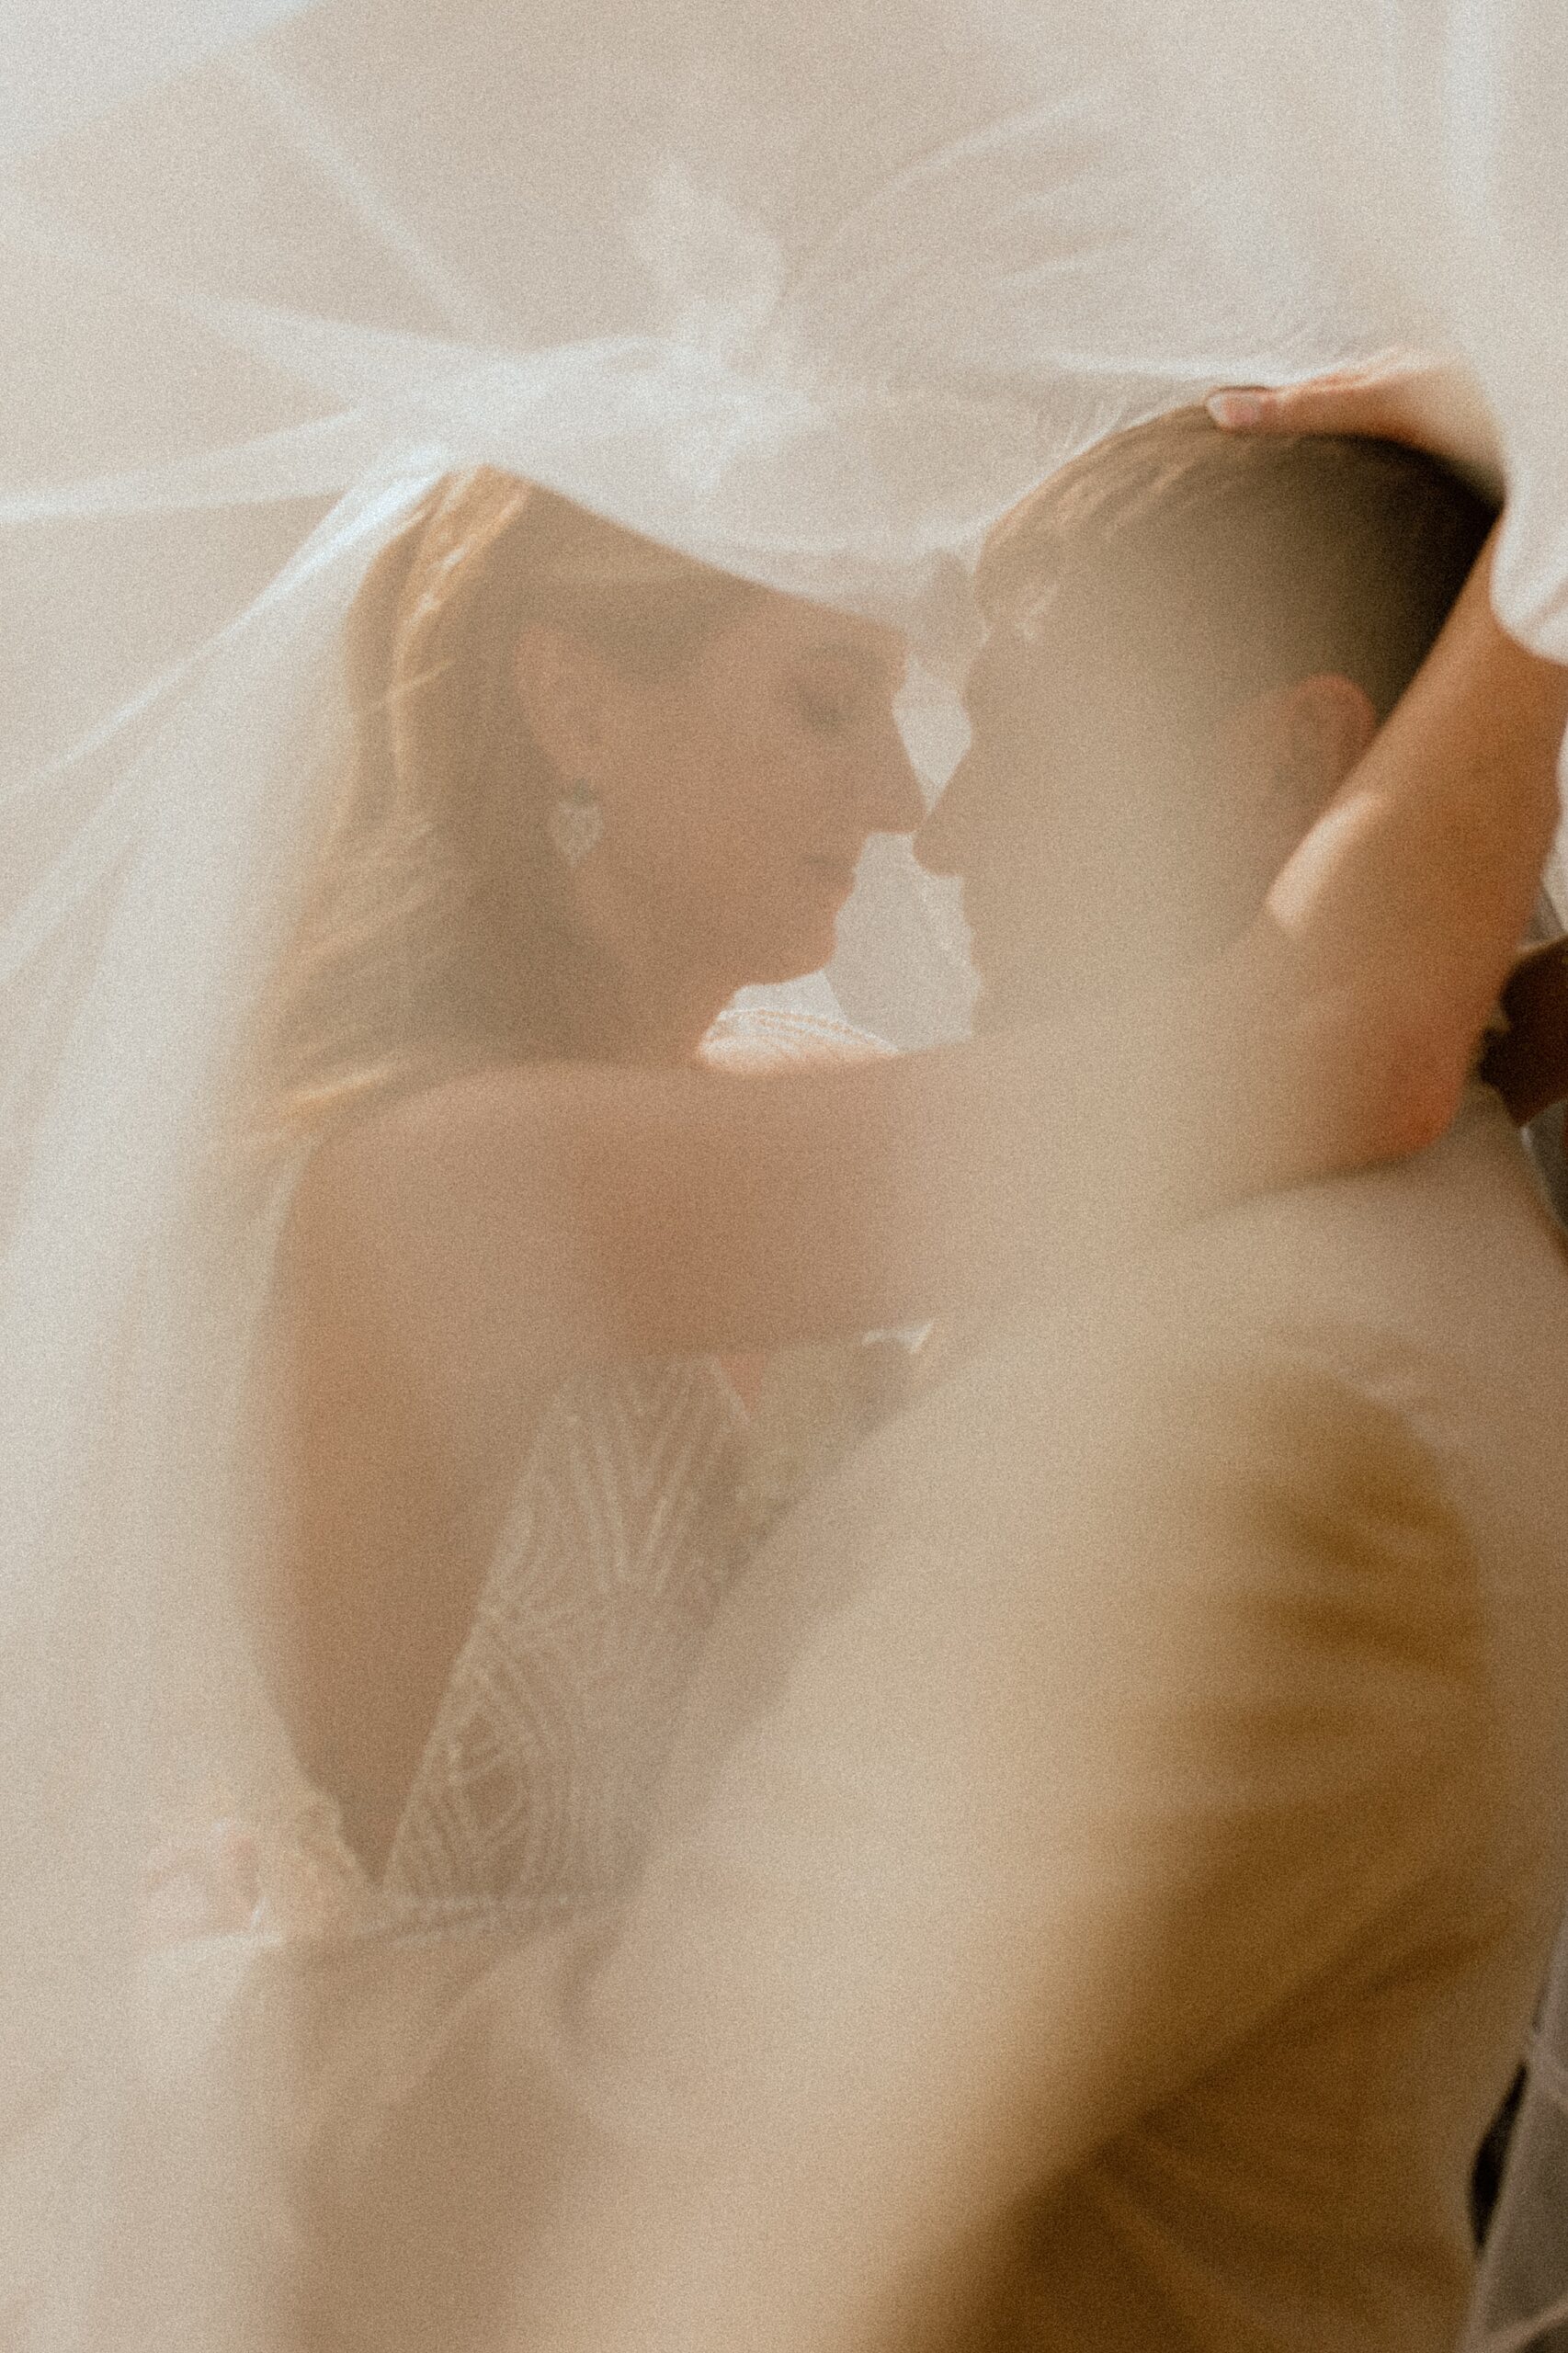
(597, 789)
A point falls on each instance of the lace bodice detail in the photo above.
(550, 1733)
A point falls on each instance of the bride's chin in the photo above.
(798, 964)
(793, 954)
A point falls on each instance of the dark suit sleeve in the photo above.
(1114, 1754)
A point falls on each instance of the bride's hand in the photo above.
(1426, 404)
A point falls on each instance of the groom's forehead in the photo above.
(1008, 665)
(1024, 668)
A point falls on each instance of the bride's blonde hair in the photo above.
(435, 932)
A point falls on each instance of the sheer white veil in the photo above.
(814, 293)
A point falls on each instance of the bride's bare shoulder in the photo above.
(408, 1220)
(457, 1129)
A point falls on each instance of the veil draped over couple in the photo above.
(781, 1392)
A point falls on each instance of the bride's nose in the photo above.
(891, 800)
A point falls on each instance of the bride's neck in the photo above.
(656, 995)
(675, 1035)
(661, 1025)
(660, 1003)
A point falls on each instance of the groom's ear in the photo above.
(1300, 742)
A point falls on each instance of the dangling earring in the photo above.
(576, 823)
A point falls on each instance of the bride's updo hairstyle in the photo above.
(437, 934)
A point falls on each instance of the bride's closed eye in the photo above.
(836, 698)
(842, 686)
(830, 715)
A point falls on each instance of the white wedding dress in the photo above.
(552, 1730)
(549, 1737)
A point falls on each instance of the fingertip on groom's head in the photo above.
(1194, 634)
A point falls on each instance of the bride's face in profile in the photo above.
(738, 790)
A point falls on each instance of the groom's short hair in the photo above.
(1241, 562)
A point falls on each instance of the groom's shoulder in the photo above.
(1429, 1300)
(1450, 1244)
(1412, 1312)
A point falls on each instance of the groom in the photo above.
(1115, 1844)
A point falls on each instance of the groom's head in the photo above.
(1194, 636)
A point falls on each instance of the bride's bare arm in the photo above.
(612, 1210)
